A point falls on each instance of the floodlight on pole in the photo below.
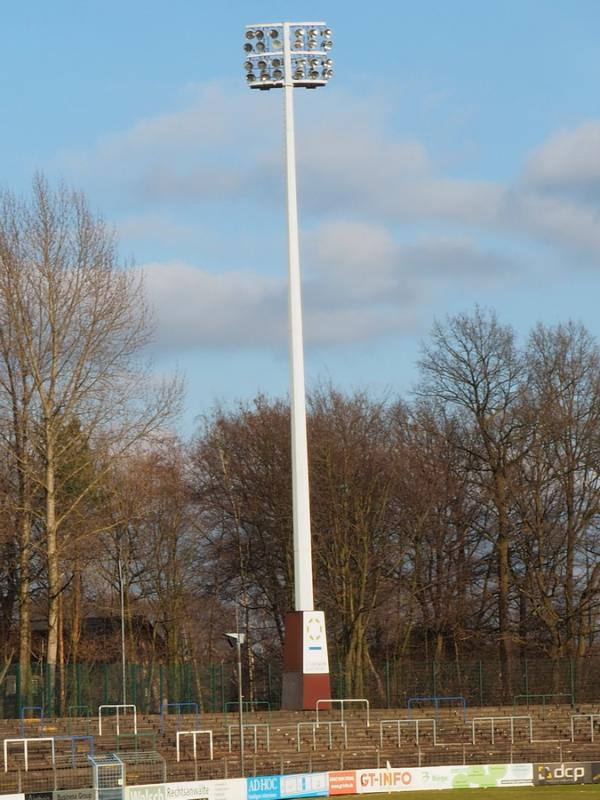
(236, 640)
(289, 55)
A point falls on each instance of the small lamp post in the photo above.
(236, 640)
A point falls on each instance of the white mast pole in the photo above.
(303, 578)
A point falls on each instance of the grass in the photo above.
(517, 793)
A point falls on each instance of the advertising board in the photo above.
(310, 784)
(458, 777)
(74, 794)
(153, 791)
(566, 772)
(342, 782)
(265, 787)
(489, 775)
(234, 789)
(384, 780)
(188, 790)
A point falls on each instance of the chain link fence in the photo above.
(78, 689)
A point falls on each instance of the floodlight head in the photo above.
(235, 638)
(287, 54)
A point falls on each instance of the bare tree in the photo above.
(558, 500)
(77, 323)
(472, 368)
(354, 469)
(447, 556)
(242, 487)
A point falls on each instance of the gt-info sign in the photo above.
(382, 780)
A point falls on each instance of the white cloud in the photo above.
(364, 260)
(360, 167)
(227, 145)
(205, 122)
(361, 285)
(567, 158)
(387, 228)
(572, 225)
(198, 309)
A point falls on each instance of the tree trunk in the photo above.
(61, 657)
(25, 614)
(75, 632)
(53, 576)
(503, 618)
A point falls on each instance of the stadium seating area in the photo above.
(286, 742)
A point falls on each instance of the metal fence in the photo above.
(79, 689)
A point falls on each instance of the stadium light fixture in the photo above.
(295, 41)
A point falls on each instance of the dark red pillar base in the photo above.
(303, 636)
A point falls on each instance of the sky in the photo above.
(452, 161)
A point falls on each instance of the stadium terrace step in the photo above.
(331, 746)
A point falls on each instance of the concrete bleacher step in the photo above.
(551, 728)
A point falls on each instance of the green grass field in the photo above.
(520, 793)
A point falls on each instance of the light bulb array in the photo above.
(308, 48)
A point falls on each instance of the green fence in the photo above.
(86, 686)
(213, 687)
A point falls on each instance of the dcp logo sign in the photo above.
(562, 773)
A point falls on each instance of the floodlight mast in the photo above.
(305, 63)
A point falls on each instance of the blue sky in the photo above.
(454, 159)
